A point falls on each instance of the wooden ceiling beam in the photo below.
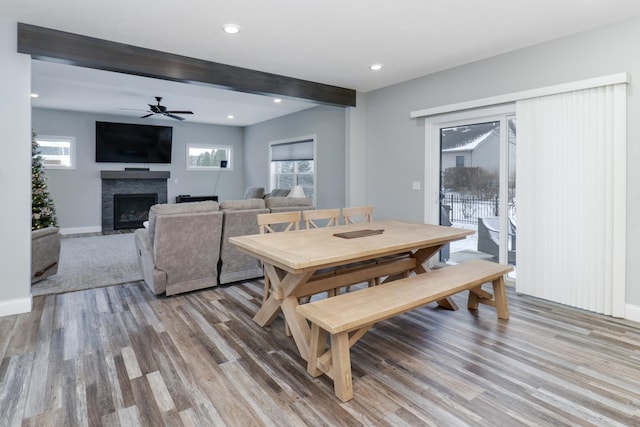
(74, 49)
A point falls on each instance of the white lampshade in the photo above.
(297, 191)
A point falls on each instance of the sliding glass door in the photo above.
(476, 179)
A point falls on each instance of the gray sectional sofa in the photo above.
(239, 220)
(186, 246)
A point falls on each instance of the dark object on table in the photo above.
(359, 233)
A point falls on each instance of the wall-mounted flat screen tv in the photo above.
(131, 143)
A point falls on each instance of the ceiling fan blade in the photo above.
(174, 117)
(148, 115)
(179, 112)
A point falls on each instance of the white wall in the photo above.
(328, 124)
(355, 151)
(77, 192)
(393, 138)
(15, 175)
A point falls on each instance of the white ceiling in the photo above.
(329, 41)
(72, 88)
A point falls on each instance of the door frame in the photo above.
(433, 125)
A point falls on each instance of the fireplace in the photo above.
(127, 183)
(131, 210)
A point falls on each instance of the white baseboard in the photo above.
(81, 230)
(16, 306)
(632, 312)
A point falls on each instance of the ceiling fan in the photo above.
(161, 109)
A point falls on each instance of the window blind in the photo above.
(290, 151)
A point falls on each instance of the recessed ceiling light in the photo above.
(34, 95)
(231, 28)
(277, 100)
(230, 116)
(375, 67)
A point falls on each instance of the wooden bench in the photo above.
(348, 317)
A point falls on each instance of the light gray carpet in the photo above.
(92, 262)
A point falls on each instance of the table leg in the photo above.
(268, 312)
(284, 298)
(421, 256)
(281, 284)
(300, 330)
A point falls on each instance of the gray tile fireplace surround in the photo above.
(129, 182)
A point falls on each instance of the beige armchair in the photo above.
(45, 253)
(179, 251)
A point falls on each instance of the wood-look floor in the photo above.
(122, 356)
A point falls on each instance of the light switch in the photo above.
(416, 185)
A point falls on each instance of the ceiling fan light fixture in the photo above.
(164, 111)
(231, 28)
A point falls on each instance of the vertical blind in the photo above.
(572, 198)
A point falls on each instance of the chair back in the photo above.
(311, 218)
(357, 214)
(269, 222)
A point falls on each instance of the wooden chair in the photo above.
(332, 216)
(357, 214)
(273, 223)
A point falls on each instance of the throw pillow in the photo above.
(254, 193)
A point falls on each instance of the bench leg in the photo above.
(342, 382)
(500, 296)
(317, 344)
(476, 295)
(498, 300)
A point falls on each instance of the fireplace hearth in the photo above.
(131, 210)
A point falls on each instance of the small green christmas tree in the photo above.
(43, 212)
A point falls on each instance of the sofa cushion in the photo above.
(279, 192)
(254, 193)
(287, 202)
(229, 205)
(178, 208)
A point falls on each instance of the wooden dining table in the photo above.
(308, 262)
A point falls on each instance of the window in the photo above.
(209, 157)
(459, 161)
(292, 163)
(57, 152)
